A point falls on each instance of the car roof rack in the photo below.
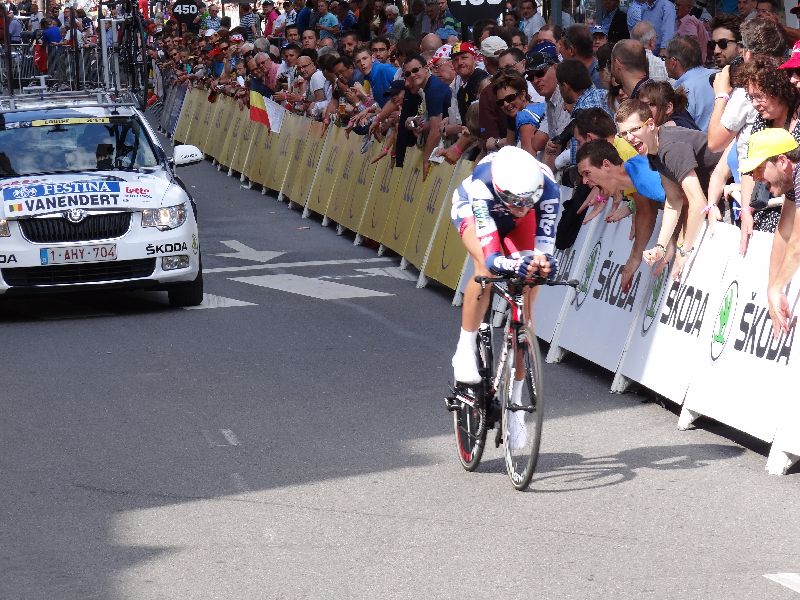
(38, 98)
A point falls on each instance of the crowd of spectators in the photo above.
(650, 109)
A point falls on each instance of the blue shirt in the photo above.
(303, 19)
(52, 35)
(606, 22)
(380, 78)
(590, 98)
(530, 115)
(700, 94)
(329, 20)
(662, 15)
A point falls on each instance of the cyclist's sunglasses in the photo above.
(516, 200)
(723, 43)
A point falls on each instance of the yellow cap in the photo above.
(765, 144)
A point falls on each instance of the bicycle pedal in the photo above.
(451, 403)
(518, 407)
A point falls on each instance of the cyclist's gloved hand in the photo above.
(517, 267)
(553, 261)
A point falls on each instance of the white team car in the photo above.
(90, 199)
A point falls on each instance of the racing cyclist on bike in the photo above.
(505, 213)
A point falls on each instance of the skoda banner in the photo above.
(746, 372)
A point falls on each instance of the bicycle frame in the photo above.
(516, 301)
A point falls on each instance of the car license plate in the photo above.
(78, 254)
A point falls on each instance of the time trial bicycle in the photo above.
(511, 388)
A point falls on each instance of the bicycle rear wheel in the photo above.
(523, 411)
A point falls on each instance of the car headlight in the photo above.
(166, 218)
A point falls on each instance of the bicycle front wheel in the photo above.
(523, 409)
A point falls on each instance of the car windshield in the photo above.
(74, 144)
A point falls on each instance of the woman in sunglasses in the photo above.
(511, 91)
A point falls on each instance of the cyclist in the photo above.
(505, 213)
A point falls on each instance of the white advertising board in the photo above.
(745, 373)
(550, 300)
(667, 333)
(598, 319)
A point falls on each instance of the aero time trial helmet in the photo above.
(517, 177)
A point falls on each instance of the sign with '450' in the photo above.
(469, 11)
(185, 11)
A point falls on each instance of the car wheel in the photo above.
(189, 293)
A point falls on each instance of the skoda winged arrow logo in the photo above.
(722, 328)
(583, 287)
(655, 297)
(76, 215)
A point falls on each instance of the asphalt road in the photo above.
(280, 445)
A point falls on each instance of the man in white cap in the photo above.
(774, 157)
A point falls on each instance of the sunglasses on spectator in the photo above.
(308, 64)
(624, 134)
(538, 73)
(410, 72)
(507, 99)
(723, 43)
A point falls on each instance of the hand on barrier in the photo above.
(598, 203)
(779, 311)
(712, 216)
(746, 229)
(628, 271)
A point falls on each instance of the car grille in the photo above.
(79, 273)
(58, 229)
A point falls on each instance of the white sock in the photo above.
(467, 340)
(516, 392)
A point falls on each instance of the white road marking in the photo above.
(230, 437)
(309, 286)
(789, 580)
(393, 272)
(212, 301)
(245, 252)
(307, 263)
(238, 482)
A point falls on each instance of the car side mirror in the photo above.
(186, 154)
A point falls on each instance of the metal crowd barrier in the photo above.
(67, 68)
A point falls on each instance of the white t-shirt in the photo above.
(739, 116)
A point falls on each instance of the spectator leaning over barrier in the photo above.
(645, 33)
(315, 85)
(418, 119)
(684, 66)
(378, 76)
(682, 158)
(774, 158)
(618, 172)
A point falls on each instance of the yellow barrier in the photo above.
(233, 135)
(185, 118)
(224, 118)
(358, 192)
(404, 204)
(205, 122)
(324, 173)
(381, 193)
(216, 129)
(348, 152)
(282, 151)
(447, 254)
(258, 157)
(433, 194)
(208, 126)
(200, 107)
(295, 169)
(243, 146)
(311, 156)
